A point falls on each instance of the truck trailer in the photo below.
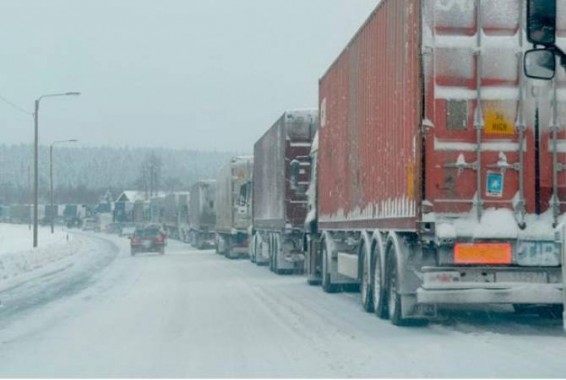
(202, 214)
(438, 177)
(233, 207)
(278, 209)
(173, 212)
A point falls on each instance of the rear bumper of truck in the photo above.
(492, 286)
(509, 293)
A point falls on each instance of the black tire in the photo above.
(551, 311)
(313, 281)
(270, 250)
(313, 278)
(162, 250)
(379, 294)
(366, 289)
(133, 252)
(327, 285)
(520, 308)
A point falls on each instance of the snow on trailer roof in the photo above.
(292, 114)
(312, 112)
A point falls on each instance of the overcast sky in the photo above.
(195, 74)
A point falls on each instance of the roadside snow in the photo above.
(18, 260)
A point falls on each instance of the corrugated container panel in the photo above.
(275, 204)
(370, 118)
(224, 208)
(268, 178)
(458, 71)
(202, 209)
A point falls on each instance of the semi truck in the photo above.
(233, 207)
(202, 214)
(174, 214)
(278, 209)
(439, 166)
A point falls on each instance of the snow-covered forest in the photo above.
(83, 174)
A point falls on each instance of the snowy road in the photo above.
(195, 314)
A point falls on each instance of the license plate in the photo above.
(483, 253)
(538, 277)
(146, 243)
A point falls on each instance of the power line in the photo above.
(15, 105)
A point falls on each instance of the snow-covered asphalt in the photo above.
(193, 313)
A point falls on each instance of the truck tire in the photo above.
(313, 277)
(544, 311)
(228, 248)
(270, 250)
(327, 284)
(379, 297)
(366, 283)
(253, 249)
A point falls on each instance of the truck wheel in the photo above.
(544, 311)
(133, 252)
(366, 283)
(551, 311)
(313, 277)
(162, 250)
(251, 249)
(327, 285)
(379, 298)
(270, 251)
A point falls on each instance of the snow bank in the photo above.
(17, 257)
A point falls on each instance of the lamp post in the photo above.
(35, 159)
(51, 179)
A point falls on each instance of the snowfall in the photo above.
(81, 306)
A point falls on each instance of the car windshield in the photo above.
(148, 232)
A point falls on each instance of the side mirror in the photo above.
(541, 22)
(540, 64)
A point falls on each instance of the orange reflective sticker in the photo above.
(483, 253)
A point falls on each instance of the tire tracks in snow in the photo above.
(68, 277)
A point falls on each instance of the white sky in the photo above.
(195, 74)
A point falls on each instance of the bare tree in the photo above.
(150, 176)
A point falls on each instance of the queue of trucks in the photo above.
(432, 173)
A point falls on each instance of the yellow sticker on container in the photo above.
(496, 123)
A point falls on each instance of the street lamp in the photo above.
(51, 178)
(35, 159)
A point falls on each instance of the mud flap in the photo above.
(411, 309)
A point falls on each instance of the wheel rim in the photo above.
(392, 291)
